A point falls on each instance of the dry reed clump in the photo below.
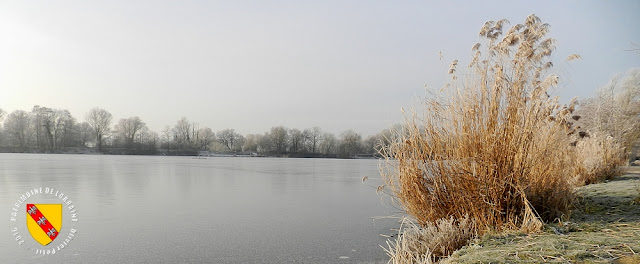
(429, 243)
(598, 158)
(496, 147)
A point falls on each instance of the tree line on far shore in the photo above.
(48, 130)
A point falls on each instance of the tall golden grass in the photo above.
(494, 146)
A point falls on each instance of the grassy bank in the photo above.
(604, 228)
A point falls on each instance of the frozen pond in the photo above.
(152, 209)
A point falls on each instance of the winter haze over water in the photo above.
(252, 65)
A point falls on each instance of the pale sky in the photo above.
(251, 65)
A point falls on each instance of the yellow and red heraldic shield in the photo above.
(44, 222)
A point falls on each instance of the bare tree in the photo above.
(371, 144)
(239, 143)
(39, 115)
(314, 135)
(205, 138)
(148, 140)
(228, 138)
(350, 144)
(328, 144)
(49, 123)
(127, 128)
(194, 132)
(265, 143)
(182, 131)
(100, 121)
(167, 133)
(17, 126)
(2, 114)
(152, 138)
(279, 136)
(66, 130)
(250, 143)
(296, 141)
(53, 128)
(56, 126)
(85, 133)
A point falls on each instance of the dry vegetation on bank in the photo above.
(604, 228)
(597, 158)
(493, 154)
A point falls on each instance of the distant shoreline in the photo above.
(89, 151)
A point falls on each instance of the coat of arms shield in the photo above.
(44, 222)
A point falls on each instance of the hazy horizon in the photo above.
(251, 66)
